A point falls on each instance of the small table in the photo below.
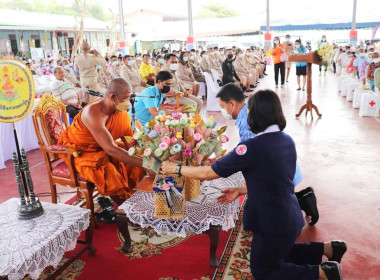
(203, 214)
(29, 246)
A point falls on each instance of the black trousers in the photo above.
(276, 257)
(279, 67)
(73, 111)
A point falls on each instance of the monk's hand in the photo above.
(168, 167)
(228, 195)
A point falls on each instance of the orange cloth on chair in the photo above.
(111, 176)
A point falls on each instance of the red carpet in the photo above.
(153, 257)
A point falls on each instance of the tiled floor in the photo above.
(339, 155)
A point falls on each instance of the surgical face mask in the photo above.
(376, 60)
(370, 60)
(323, 39)
(225, 114)
(287, 39)
(161, 60)
(296, 46)
(115, 63)
(173, 66)
(66, 67)
(248, 53)
(205, 56)
(212, 53)
(361, 54)
(123, 106)
(98, 67)
(240, 55)
(165, 89)
(185, 58)
(177, 54)
(130, 62)
(138, 58)
(276, 41)
(216, 52)
(192, 57)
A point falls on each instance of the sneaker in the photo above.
(299, 88)
(106, 204)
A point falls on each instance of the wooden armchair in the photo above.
(50, 120)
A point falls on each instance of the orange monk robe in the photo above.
(111, 176)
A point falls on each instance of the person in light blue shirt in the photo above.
(359, 60)
(300, 66)
(232, 103)
(147, 108)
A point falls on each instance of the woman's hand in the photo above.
(228, 195)
(168, 167)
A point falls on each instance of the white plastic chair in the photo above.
(212, 90)
(202, 89)
(215, 76)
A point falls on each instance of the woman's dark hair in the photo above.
(163, 76)
(231, 92)
(265, 110)
(180, 59)
(202, 53)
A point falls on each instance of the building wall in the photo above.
(97, 40)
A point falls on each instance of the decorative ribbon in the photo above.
(166, 185)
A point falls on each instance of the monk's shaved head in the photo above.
(118, 86)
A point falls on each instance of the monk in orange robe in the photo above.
(94, 132)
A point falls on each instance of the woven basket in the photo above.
(162, 210)
(192, 188)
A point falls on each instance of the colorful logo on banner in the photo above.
(16, 90)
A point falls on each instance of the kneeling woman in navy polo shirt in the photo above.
(268, 164)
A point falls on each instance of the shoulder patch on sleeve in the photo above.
(241, 149)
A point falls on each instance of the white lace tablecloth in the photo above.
(200, 212)
(28, 247)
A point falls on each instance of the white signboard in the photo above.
(37, 53)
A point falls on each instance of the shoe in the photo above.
(105, 217)
(265, 74)
(308, 204)
(287, 81)
(339, 247)
(282, 86)
(106, 204)
(253, 86)
(301, 193)
(303, 89)
(261, 76)
(276, 86)
(299, 88)
(332, 270)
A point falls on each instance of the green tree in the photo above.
(216, 10)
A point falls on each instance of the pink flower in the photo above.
(224, 139)
(173, 140)
(188, 153)
(166, 139)
(164, 146)
(198, 137)
(157, 128)
(176, 115)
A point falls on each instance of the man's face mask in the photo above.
(123, 106)
(165, 89)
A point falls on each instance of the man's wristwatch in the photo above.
(178, 169)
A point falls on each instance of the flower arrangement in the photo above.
(183, 138)
(326, 52)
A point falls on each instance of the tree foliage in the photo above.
(93, 9)
(216, 10)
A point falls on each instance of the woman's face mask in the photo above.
(130, 62)
(185, 58)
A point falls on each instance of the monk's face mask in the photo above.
(123, 106)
